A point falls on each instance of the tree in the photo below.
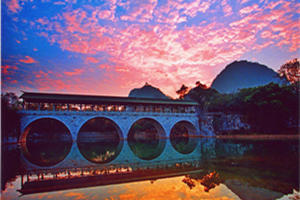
(199, 84)
(291, 71)
(11, 100)
(182, 91)
(9, 116)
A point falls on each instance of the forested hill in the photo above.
(147, 91)
(244, 74)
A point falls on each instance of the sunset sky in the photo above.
(110, 47)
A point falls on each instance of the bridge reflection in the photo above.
(60, 179)
(101, 163)
(105, 151)
(212, 162)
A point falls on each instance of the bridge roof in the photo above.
(94, 99)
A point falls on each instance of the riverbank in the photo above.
(254, 137)
(250, 137)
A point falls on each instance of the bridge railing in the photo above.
(108, 108)
(66, 112)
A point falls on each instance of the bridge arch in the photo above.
(106, 118)
(156, 124)
(25, 129)
(46, 141)
(185, 124)
(181, 137)
(145, 138)
(99, 140)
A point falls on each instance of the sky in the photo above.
(108, 47)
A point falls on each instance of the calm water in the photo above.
(179, 168)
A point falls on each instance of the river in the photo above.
(175, 168)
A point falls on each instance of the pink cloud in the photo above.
(142, 12)
(226, 8)
(105, 66)
(74, 73)
(272, 5)
(108, 14)
(91, 60)
(43, 21)
(174, 12)
(13, 5)
(249, 9)
(266, 34)
(191, 9)
(244, 1)
(48, 84)
(185, 55)
(264, 45)
(28, 60)
(105, 14)
(14, 81)
(41, 74)
(8, 69)
(74, 20)
(122, 69)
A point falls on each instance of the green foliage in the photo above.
(203, 95)
(269, 108)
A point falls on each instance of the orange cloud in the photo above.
(28, 60)
(76, 195)
(172, 188)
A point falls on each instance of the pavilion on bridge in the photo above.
(74, 102)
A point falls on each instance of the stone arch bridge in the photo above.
(74, 111)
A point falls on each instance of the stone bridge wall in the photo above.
(74, 120)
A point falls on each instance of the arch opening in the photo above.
(46, 142)
(181, 137)
(146, 139)
(99, 140)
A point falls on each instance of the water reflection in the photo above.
(98, 129)
(238, 169)
(183, 143)
(46, 142)
(46, 153)
(144, 139)
(46, 129)
(180, 137)
(208, 180)
(101, 151)
(147, 149)
(99, 140)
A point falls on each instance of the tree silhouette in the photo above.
(182, 91)
(9, 116)
(291, 71)
(199, 84)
